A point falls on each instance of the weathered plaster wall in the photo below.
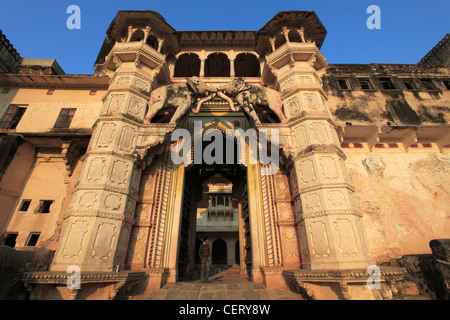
(43, 110)
(404, 198)
(45, 182)
(12, 182)
(399, 105)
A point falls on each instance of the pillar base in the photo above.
(273, 277)
(156, 278)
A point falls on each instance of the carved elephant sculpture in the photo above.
(179, 96)
(247, 96)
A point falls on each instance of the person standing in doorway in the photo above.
(205, 256)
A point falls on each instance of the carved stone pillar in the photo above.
(330, 229)
(97, 226)
(232, 57)
(202, 63)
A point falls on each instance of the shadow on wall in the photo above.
(13, 263)
(431, 273)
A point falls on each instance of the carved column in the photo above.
(202, 63)
(97, 226)
(330, 229)
(232, 57)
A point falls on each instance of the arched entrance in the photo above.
(174, 200)
(219, 252)
(214, 197)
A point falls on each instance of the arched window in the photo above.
(217, 65)
(187, 65)
(294, 36)
(246, 65)
(279, 40)
(138, 35)
(152, 41)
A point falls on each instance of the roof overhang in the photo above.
(309, 20)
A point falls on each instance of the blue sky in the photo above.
(409, 29)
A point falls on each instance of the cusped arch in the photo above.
(217, 64)
(280, 39)
(294, 35)
(187, 65)
(247, 65)
(152, 41)
(138, 35)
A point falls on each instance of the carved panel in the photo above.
(306, 79)
(346, 235)
(127, 139)
(123, 81)
(320, 132)
(96, 170)
(336, 199)
(285, 211)
(115, 102)
(75, 239)
(293, 106)
(306, 171)
(289, 244)
(282, 191)
(113, 202)
(147, 186)
(88, 199)
(135, 107)
(141, 84)
(312, 201)
(120, 172)
(300, 137)
(329, 169)
(320, 245)
(106, 135)
(104, 239)
(312, 101)
(285, 85)
(137, 246)
(143, 213)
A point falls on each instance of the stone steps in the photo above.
(228, 289)
(224, 284)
